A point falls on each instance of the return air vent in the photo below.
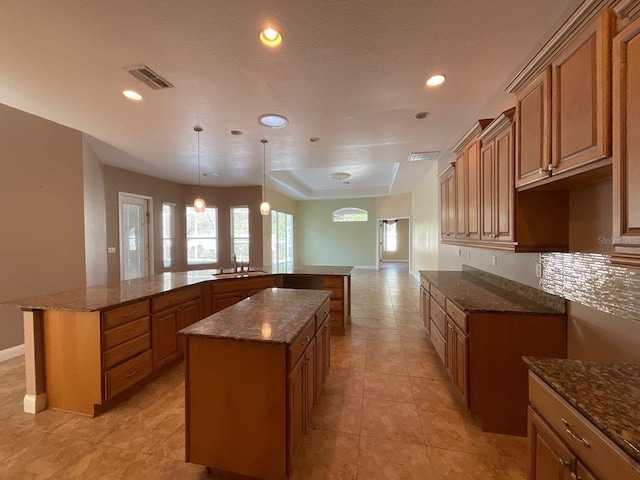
(150, 78)
(422, 156)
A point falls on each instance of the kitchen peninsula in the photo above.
(89, 348)
(253, 373)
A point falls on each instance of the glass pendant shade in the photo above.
(265, 208)
(199, 204)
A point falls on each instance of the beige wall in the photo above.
(394, 206)
(279, 203)
(95, 222)
(41, 219)
(425, 228)
(402, 252)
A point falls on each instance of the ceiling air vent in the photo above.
(150, 78)
(422, 156)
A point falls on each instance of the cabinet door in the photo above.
(451, 205)
(487, 175)
(533, 130)
(472, 154)
(326, 346)
(309, 356)
(164, 327)
(450, 349)
(462, 364)
(550, 459)
(582, 473)
(224, 300)
(444, 207)
(461, 177)
(319, 364)
(190, 313)
(296, 405)
(581, 98)
(626, 125)
(424, 307)
(504, 206)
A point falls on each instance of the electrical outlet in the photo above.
(468, 254)
(111, 250)
(494, 260)
(539, 270)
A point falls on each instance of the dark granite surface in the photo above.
(608, 394)
(275, 315)
(473, 294)
(100, 297)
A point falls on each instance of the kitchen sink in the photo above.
(251, 273)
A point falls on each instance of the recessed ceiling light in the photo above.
(270, 37)
(422, 115)
(314, 139)
(272, 120)
(340, 176)
(436, 80)
(235, 132)
(132, 95)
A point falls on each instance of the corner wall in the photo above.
(425, 232)
(95, 221)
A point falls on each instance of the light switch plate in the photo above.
(111, 250)
(494, 260)
(539, 270)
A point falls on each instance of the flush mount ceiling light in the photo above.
(199, 203)
(270, 37)
(265, 208)
(436, 80)
(235, 132)
(314, 139)
(132, 95)
(422, 115)
(272, 120)
(340, 176)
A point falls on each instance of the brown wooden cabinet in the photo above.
(448, 202)
(425, 307)
(563, 115)
(626, 143)
(229, 292)
(323, 354)
(550, 458)
(456, 347)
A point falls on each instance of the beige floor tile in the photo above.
(355, 331)
(376, 334)
(349, 360)
(453, 465)
(387, 460)
(414, 336)
(409, 324)
(384, 347)
(101, 462)
(396, 388)
(349, 344)
(435, 392)
(391, 421)
(14, 439)
(342, 381)
(338, 413)
(386, 364)
(423, 364)
(326, 455)
(46, 421)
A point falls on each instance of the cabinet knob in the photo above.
(541, 171)
(466, 234)
(551, 167)
(563, 462)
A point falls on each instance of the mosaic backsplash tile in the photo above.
(590, 279)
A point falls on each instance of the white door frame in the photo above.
(121, 197)
(379, 239)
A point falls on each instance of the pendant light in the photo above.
(265, 208)
(199, 203)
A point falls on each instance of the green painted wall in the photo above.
(320, 241)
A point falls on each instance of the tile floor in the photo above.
(387, 412)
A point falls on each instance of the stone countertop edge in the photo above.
(473, 294)
(607, 394)
(275, 315)
(100, 297)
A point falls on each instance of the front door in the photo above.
(135, 250)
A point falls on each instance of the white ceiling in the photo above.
(349, 72)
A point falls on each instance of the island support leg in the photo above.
(35, 399)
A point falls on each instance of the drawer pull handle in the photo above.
(127, 333)
(575, 476)
(564, 463)
(567, 428)
(125, 315)
(129, 375)
(305, 341)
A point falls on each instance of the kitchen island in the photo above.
(90, 348)
(253, 373)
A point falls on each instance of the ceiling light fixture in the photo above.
(265, 208)
(436, 80)
(314, 139)
(199, 203)
(422, 115)
(272, 120)
(270, 37)
(340, 176)
(235, 132)
(132, 95)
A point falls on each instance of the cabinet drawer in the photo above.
(118, 316)
(335, 292)
(246, 284)
(333, 282)
(124, 333)
(126, 350)
(438, 342)
(438, 317)
(300, 343)
(172, 299)
(129, 373)
(337, 320)
(425, 283)
(458, 315)
(601, 455)
(321, 314)
(438, 295)
(337, 305)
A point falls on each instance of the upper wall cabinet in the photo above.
(564, 112)
(447, 202)
(626, 145)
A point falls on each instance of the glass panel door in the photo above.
(135, 258)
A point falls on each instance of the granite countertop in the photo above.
(91, 299)
(607, 394)
(275, 315)
(473, 294)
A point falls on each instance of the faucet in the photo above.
(235, 263)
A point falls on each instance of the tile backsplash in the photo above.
(590, 279)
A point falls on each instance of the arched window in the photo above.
(350, 214)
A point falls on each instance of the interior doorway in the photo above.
(393, 242)
(135, 221)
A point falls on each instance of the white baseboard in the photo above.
(366, 267)
(388, 260)
(34, 403)
(415, 275)
(12, 352)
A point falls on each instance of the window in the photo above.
(240, 233)
(281, 239)
(350, 214)
(202, 236)
(390, 235)
(168, 234)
